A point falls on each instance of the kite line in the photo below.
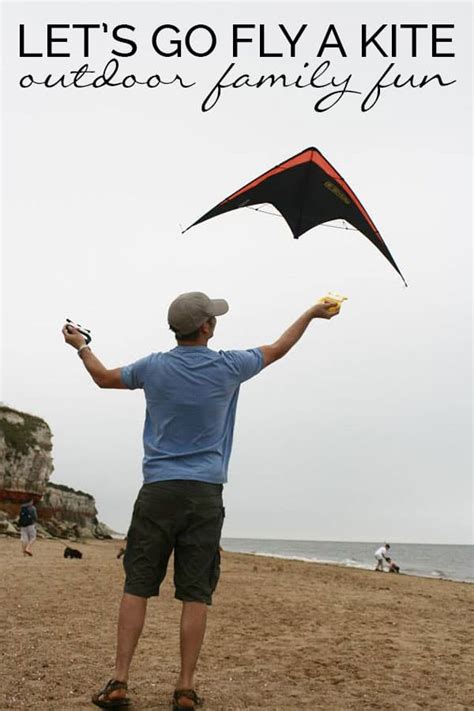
(277, 214)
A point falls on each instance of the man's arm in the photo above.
(292, 335)
(102, 376)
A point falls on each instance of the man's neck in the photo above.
(198, 342)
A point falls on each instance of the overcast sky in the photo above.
(363, 432)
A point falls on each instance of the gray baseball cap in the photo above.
(189, 311)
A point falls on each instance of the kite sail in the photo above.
(307, 191)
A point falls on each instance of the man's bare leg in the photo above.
(193, 627)
(130, 624)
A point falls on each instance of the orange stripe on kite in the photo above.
(291, 163)
(311, 154)
(327, 167)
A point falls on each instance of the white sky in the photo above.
(363, 432)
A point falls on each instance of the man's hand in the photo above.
(102, 376)
(73, 337)
(324, 309)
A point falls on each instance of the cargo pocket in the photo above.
(215, 571)
(216, 564)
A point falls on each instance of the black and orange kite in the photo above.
(307, 191)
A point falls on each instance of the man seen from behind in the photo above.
(191, 397)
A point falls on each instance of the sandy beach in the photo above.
(281, 635)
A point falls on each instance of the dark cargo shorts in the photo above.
(184, 516)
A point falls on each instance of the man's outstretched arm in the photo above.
(102, 376)
(292, 335)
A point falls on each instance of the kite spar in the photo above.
(307, 191)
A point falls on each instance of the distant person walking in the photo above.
(27, 523)
(191, 397)
(381, 554)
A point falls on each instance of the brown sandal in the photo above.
(107, 698)
(189, 695)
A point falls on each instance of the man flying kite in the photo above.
(191, 397)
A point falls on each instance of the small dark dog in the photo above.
(72, 553)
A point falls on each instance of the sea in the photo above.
(448, 562)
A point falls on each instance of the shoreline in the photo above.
(345, 566)
(431, 561)
(281, 633)
(119, 537)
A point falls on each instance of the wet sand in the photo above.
(281, 635)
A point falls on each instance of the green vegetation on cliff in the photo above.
(63, 487)
(19, 437)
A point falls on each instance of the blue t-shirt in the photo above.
(191, 397)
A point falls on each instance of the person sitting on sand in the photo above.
(381, 554)
(26, 521)
(392, 566)
(191, 397)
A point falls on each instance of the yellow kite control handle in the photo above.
(336, 299)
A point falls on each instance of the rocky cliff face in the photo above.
(25, 467)
(67, 513)
(25, 457)
(61, 501)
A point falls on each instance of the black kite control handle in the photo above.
(83, 331)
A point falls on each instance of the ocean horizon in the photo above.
(428, 560)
